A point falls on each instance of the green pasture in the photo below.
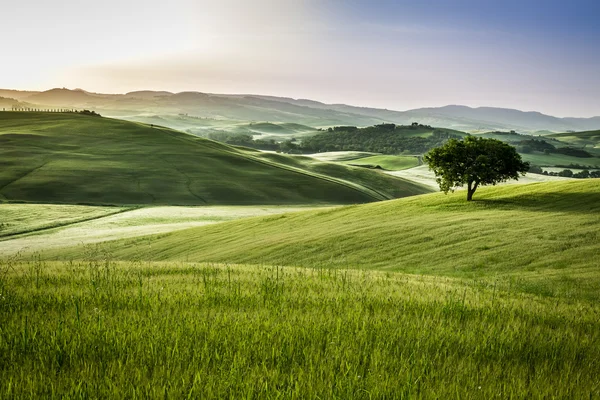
(42, 227)
(587, 139)
(543, 236)
(101, 329)
(553, 159)
(23, 218)
(78, 159)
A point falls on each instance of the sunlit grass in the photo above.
(150, 330)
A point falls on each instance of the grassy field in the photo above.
(423, 297)
(390, 163)
(341, 155)
(551, 160)
(427, 296)
(588, 139)
(374, 180)
(72, 158)
(45, 227)
(542, 237)
(100, 329)
(24, 218)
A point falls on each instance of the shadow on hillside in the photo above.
(583, 202)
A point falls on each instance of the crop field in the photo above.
(101, 329)
(63, 225)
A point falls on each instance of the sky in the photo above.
(541, 55)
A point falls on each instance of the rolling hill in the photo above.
(544, 233)
(74, 158)
(589, 139)
(300, 111)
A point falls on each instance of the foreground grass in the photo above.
(100, 329)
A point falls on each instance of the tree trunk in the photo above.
(471, 189)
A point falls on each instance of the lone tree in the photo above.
(474, 161)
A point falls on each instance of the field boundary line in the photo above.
(9, 236)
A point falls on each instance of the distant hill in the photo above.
(584, 139)
(61, 97)
(147, 94)
(74, 158)
(302, 111)
(16, 94)
(7, 102)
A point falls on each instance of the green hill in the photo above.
(589, 138)
(73, 158)
(546, 230)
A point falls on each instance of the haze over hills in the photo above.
(301, 111)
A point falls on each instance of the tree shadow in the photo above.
(577, 202)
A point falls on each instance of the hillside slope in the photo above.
(586, 139)
(73, 158)
(514, 229)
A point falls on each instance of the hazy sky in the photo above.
(539, 55)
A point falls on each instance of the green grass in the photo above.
(544, 235)
(553, 159)
(100, 329)
(71, 158)
(341, 155)
(496, 298)
(43, 227)
(589, 138)
(391, 163)
(22, 218)
(383, 184)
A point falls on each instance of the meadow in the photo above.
(40, 227)
(541, 237)
(103, 329)
(78, 159)
(26, 218)
(289, 295)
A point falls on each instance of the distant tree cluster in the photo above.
(567, 173)
(540, 145)
(88, 112)
(569, 151)
(531, 145)
(384, 138)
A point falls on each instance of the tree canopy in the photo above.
(474, 161)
